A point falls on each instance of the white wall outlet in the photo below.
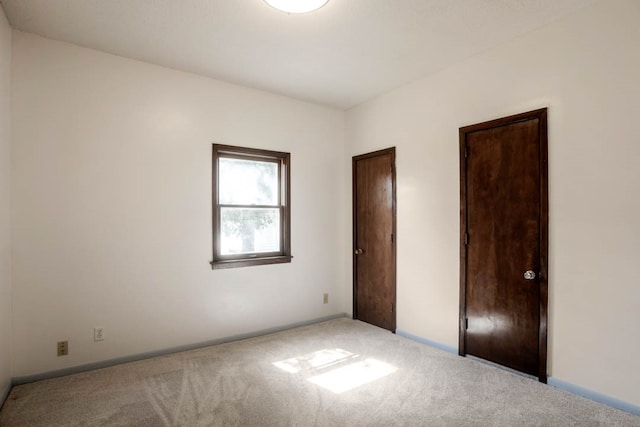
(325, 299)
(98, 334)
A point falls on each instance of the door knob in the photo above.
(358, 251)
(529, 275)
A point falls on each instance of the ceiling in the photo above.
(347, 52)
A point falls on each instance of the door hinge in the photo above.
(466, 323)
(466, 238)
(391, 237)
(466, 151)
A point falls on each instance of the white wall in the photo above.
(5, 203)
(112, 207)
(586, 69)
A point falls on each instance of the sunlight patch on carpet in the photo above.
(354, 375)
(317, 360)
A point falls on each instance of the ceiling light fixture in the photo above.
(296, 6)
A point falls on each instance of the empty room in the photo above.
(342, 212)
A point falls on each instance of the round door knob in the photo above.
(529, 275)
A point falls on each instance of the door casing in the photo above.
(541, 115)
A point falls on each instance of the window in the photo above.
(251, 207)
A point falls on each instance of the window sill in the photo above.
(248, 262)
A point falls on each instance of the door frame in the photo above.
(391, 151)
(541, 115)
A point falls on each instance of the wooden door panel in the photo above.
(503, 201)
(502, 224)
(374, 249)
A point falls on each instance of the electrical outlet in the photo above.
(325, 299)
(63, 348)
(98, 334)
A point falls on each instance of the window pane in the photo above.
(249, 230)
(247, 182)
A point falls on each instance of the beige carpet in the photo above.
(341, 372)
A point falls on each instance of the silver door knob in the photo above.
(358, 251)
(529, 275)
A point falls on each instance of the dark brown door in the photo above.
(503, 310)
(374, 253)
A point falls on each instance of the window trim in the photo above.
(284, 204)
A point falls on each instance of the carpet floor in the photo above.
(336, 373)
